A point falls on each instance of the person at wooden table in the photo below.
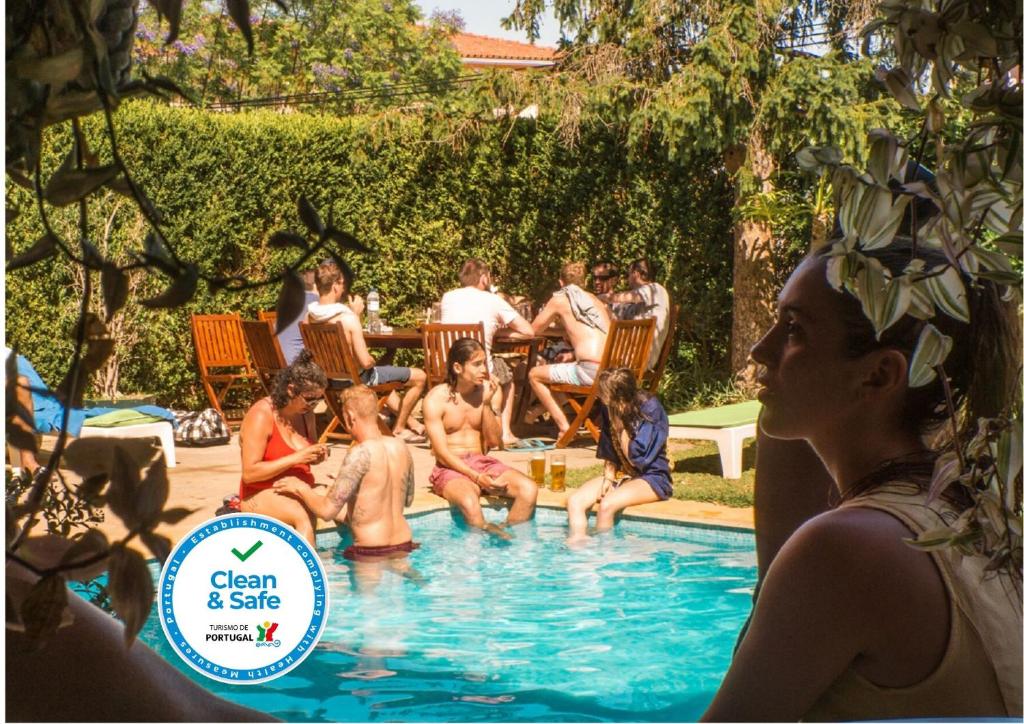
(474, 302)
(462, 422)
(276, 444)
(645, 299)
(586, 321)
(333, 287)
(606, 278)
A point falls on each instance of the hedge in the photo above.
(514, 195)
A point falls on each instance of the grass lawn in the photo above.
(696, 475)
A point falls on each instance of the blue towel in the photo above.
(49, 412)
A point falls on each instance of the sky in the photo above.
(483, 17)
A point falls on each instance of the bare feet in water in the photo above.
(497, 531)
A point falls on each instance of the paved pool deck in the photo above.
(204, 476)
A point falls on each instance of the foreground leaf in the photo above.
(182, 289)
(152, 494)
(131, 589)
(115, 289)
(175, 515)
(124, 483)
(283, 239)
(159, 546)
(44, 248)
(90, 545)
(43, 607)
(291, 301)
(239, 11)
(932, 348)
(310, 217)
(68, 186)
(170, 9)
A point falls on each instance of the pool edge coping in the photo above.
(427, 507)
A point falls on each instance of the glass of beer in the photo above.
(557, 472)
(537, 468)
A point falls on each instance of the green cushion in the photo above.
(742, 413)
(121, 418)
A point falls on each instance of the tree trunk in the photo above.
(753, 276)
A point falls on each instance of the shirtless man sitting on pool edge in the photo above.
(462, 424)
(376, 481)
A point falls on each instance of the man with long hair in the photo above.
(461, 417)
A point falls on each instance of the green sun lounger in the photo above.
(728, 426)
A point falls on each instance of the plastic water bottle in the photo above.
(373, 312)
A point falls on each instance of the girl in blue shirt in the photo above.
(634, 430)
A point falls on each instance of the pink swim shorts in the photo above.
(441, 476)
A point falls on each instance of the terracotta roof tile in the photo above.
(469, 45)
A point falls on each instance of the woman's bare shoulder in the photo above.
(259, 415)
(863, 550)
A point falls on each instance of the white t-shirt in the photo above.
(657, 304)
(469, 305)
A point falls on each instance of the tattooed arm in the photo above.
(410, 479)
(345, 485)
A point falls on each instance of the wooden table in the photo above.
(397, 338)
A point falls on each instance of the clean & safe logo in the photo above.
(243, 598)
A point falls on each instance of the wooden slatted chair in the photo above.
(265, 351)
(332, 353)
(222, 358)
(268, 315)
(652, 378)
(438, 340)
(628, 345)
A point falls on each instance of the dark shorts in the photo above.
(382, 374)
(441, 476)
(369, 553)
(660, 484)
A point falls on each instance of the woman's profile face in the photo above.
(808, 383)
(307, 399)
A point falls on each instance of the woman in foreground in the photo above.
(277, 444)
(851, 621)
(634, 430)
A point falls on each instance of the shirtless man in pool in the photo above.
(376, 481)
(462, 424)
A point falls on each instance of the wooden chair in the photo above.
(332, 353)
(265, 351)
(438, 339)
(222, 357)
(628, 345)
(268, 315)
(652, 378)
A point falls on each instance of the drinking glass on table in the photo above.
(537, 468)
(557, 472)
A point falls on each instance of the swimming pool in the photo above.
(637, 626)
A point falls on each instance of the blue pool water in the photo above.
(637, 626)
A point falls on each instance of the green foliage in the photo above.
(350, 47)
(512, 193)
(697, 475)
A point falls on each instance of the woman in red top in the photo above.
(277, 442)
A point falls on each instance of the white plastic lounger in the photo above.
(728, 426)
(161, 430)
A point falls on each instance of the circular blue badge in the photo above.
(243, 598)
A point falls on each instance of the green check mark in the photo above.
(244, 556)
